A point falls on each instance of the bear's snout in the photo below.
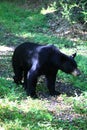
(76, 72)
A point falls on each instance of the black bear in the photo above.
(30, 60)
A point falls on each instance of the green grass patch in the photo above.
(12, 118)
(10, 90)
(19, 20)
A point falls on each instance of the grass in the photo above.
(15, 115)
(19, 112)
(24, 20)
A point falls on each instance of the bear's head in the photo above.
(69, 65)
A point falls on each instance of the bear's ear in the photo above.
(73, 55)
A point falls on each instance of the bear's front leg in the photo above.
(31, 83)
(51, 79)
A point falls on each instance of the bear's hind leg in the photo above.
(18, 76)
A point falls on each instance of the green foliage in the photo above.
(80, 104)
(74, 11)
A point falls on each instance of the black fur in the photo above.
(31, 60)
